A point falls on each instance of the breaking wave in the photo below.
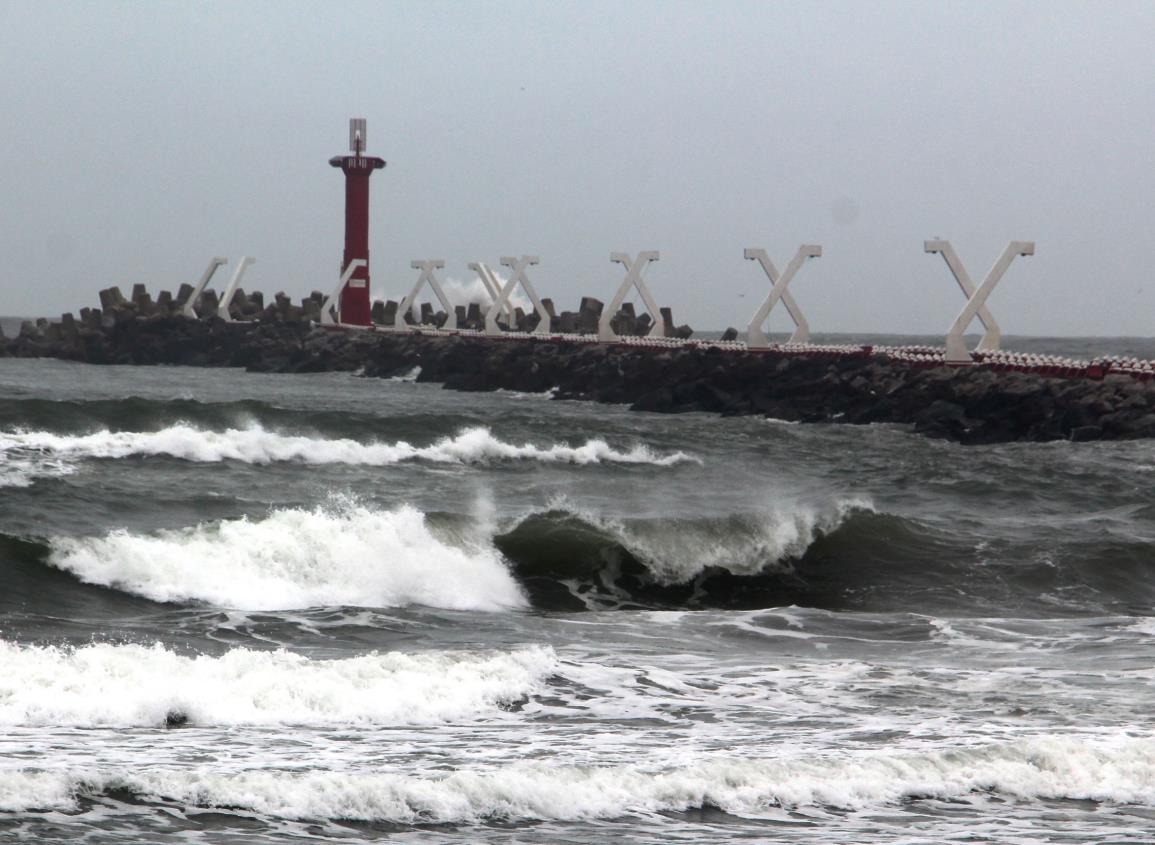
(838, 555)
(256, 445)
(342, 555)
(1121, 772)
(133, 685)
(673, 561)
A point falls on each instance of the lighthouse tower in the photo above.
(354, 303)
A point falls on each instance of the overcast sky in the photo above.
(139, 139)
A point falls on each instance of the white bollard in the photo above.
(956, 351)
(189, 308)
(634, 268)
(755, 337)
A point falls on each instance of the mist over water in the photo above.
(347, 609)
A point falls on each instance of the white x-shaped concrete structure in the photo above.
(189, 308)
(956, 351)
(755, 337)
(517, 276)
(331, 305)
(492, 285)
(234, 283)
(427, 277)
(634, 268)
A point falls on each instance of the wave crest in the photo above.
(1041, 768)
(344, 555)
(673, 550)
(256, 445)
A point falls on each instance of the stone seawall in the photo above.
(965, 404)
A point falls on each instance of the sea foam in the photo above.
(133, 685)
(1055, 768)
(22, 470)
(256, 445)
(347, 554)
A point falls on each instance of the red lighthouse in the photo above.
(354, 305)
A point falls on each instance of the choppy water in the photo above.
(244, 607)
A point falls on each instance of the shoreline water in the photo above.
(240, 605)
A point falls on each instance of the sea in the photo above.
(252, 608)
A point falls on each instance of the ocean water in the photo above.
(239, 607)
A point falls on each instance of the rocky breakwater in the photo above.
(964, 404)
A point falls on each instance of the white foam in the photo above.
(19, 470)
(519, 394)
(1119, 772)
(409, 376)
(346, 554)
(1143, 625)
(26, 790)
(133, 685)
(256, 445)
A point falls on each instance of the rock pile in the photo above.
(114, 307)
(964, 404)
(583, 321)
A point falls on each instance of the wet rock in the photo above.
(183, 293)
(943, 419)
(207, 304)
(311, 311)
(1084, 433)
(111, 299)
(391, 312)
(624, 323)
(589, 314)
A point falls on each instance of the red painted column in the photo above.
(354, 307)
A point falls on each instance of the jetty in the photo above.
(611, 353)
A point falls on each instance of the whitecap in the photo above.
(256, 445)
(120, 685)
(1030, 770)
(346, 554)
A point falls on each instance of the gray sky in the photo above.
(139, 139)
